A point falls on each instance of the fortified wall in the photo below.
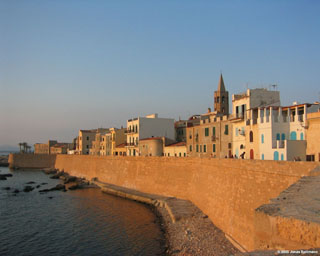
(228, 190)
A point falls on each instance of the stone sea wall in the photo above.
(227, 190)
(32, 161)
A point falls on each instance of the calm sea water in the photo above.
(81, 222)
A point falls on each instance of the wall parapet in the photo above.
(292, 219)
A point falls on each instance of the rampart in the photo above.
(36, 161)
(227, 190)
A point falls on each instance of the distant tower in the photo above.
(221, 98)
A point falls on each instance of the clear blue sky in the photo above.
(70, 65)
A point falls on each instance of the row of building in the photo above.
(258, 128)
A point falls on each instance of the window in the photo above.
(262, 157)
(179, 154)
(136, 128)
(214, 148)
(301, 136)
(204, 148)
(262, 138)
(237, 131)
(184, 154)
(197, 148)
(229, 145)
(310, 158)
(226, 129)
(214, 131)
(251, 136)
(168, 154)
(200, 148)
(283, 136)
(278, 136)
(276, 155)
(293, 136)
(218, 99)
(87, 137)
(206, 132)
(190, 148)
(282, 158)
(87, 146)
(222, 99)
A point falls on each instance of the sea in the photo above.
(80, 222)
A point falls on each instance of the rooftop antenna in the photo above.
(274, 86)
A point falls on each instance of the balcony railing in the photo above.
(237, 115)
(130, 131)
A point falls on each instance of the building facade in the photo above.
(178, 149)
(313, 136)
(279, 131)
(244, 140)
(213, 136)
(85, 139)
(44, 148)
(147, 127)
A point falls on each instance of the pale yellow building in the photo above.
(178, 149)
(151, 146)
(44, 148)
(120, 150)
(313, 136)
(85, 139)
(118, 137)
(213, 136)
(182, 125)
(147, 127)
(61, 148)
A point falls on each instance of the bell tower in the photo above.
(221, 99)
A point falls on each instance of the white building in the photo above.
(147, 127)
(241, 103)
(281, 131)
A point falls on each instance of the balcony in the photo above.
(213, 138)
(128, 131)
(132, 144)
(237, 116)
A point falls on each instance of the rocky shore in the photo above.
(187, 230)
(4, 160)
(69, 183)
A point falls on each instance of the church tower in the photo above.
(221, 99)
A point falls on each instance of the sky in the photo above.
(70, 65)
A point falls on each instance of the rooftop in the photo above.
(177, 144)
